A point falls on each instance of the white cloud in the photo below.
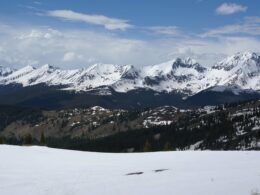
(69, 56)
(230, 8)
(72, 57)
(108, 23)
(165, 30)
(250, 26)
(252, 20)
(36, 34)
(21, 46)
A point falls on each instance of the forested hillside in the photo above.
(223, 127)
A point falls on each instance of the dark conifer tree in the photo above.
(27, 139)
(167, 146)
(42, 139)
(147, 146)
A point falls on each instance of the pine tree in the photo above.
(1, 140)
(147, 146)
(167, 146)
(27, 139)
(42, 139)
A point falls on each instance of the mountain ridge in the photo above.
(184, 76)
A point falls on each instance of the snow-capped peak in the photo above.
(25, 69)
(48, 67)
(5, 71)
(158, 69)
(189, 61)
(244, 59)
(102, 68)
(182, 75)
(171, 66)
(241, 69)
(29, 75)
(17, 76)
(130, 72)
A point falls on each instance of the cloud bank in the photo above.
(79, 48)
(108, 23)
(249, 26)
(230, 8)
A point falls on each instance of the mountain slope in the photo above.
(238, 74)
(176, 75)
(47, 171)
(242, 70)
(225, 127)
(5, 71)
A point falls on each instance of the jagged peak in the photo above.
(105, 69)
(184, 74)
(100, 67)
(188, 63)
(172, 65)
(246, 54)
(48, 67)
(4, 70)
(187, 60)
(27, 68)
(129, 68)
(130, 72)
(239, 59)
(242, 56)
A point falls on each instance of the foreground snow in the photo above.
(41, 170)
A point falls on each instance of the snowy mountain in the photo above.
(176, 75)
(241, 70)
(186, 76)
(4, 71)
(78, 79)
(173, 75)
(101, 75)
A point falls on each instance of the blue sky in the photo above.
(77, 33)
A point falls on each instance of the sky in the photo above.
(78, 33)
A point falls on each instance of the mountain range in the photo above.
(175, 82)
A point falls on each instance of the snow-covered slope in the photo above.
(4, 71)
(99, 75)
(78, 79)
(240, 71)
(176, 75)
(46, 171)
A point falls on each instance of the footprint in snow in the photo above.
(160, 170)
(140, 173)
(135, 173)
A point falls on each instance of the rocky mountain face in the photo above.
(5, 71)
(238, 74)
(176, 75)
(183, 75)
(238, 71)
